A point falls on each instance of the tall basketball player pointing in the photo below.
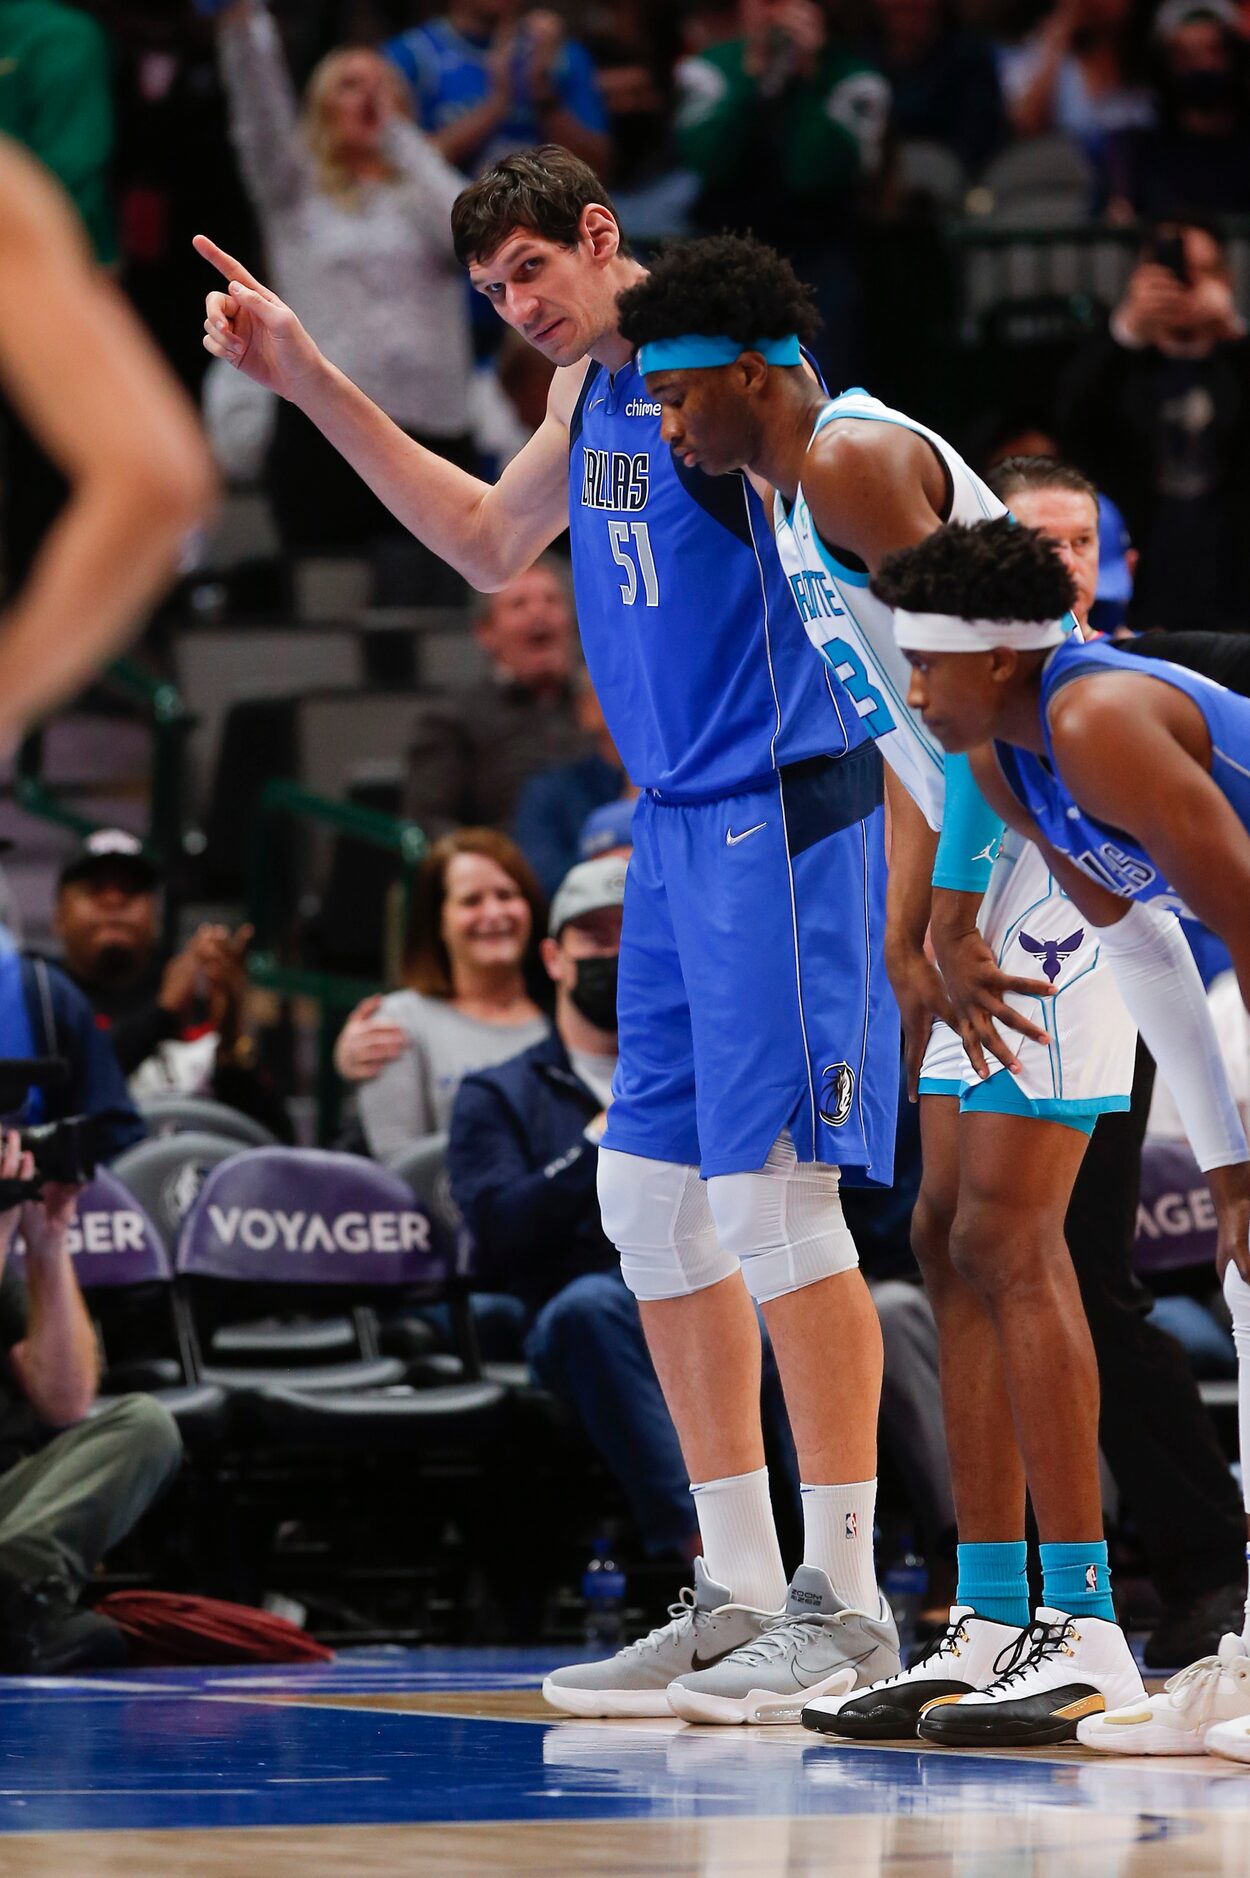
(758, 1039)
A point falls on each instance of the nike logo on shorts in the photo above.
(732, 840)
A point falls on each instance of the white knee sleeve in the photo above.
(783, 1223)
(657, 1216)
(1237, 1298)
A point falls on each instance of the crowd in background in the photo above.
(324, 143)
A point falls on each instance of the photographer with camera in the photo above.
(1157, 413)
(73, 1482)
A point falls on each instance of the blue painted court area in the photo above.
(416, 1739)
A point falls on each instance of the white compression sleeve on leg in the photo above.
(1163, 990)
(1237, 1297)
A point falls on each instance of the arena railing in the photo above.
(161, 704)
(269, 963)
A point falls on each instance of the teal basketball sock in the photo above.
(994, 1581)
(1076, 1579)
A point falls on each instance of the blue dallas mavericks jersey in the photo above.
(1116, 860)
(691, 637)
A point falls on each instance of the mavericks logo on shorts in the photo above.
(837, 1092)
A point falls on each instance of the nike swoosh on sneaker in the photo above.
(710, 1662)
(817, 1675)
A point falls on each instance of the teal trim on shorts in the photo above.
(1001, 1095)
(939, 1085)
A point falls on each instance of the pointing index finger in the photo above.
(226, 264)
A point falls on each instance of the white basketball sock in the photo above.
(837, 1538)
(1237, 1297)
(739, 1536)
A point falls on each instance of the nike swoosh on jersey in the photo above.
(732, 840)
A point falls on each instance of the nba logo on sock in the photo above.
(852, 1525)
(1091, 1578)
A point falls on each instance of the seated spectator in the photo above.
(474, 749)
(1198, 155)
(177, 1024)
(43, 1013)
(523, 1158)
(70, 1488)
(476, 915)
(1156, 411)
(487, 78)
(609, 830)
(1080, 72)
(943, 79)
(554, 805)
(354, 207)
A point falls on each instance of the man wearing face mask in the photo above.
(523, 1156)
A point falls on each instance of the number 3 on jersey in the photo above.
(633, 558)
(872, 708)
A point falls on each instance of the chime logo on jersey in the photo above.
(1052, 952)
(613, 479)
(837, 1092)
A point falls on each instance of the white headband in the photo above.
(944, 632)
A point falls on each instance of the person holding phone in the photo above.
(1156, 412)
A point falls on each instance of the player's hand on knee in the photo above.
(252, 329)
(1230, 1190)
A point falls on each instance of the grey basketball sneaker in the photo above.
(705, 1626)
(816, 1647)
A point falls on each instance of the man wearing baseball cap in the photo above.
(523, 1156)
(175, 1024)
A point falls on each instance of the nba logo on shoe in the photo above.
(1091, 1578)
(852, 1525)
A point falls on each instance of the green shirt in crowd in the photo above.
(56, 99)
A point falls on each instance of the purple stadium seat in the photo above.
(1176, 1223)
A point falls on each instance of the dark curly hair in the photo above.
(729, 284)
(992, 570)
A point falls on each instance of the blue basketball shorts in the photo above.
(753, 998)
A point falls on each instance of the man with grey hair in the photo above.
(474, 748)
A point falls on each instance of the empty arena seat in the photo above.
(1039, 182)
(126, 1277)
(177, 1114)
(322, 1228)
(165, 1175)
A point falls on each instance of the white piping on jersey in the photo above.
(785, 826)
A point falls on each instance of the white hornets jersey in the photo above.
(854, 630)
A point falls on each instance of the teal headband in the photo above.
(696, 349)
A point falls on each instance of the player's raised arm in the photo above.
(487, 532)
(90, 386)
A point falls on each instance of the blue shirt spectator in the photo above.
(485, 83)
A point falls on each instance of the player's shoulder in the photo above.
(567, 384)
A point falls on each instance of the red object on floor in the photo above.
(167, 1630)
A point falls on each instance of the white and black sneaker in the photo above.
(1058, 1671)
(957, 1662)
(705, 1625)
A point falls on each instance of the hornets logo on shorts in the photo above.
(837, 1092)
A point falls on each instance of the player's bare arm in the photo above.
(916, 981)
(488, 532)
(93, 390)
(1146, 771)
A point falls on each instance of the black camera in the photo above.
(66, 1152)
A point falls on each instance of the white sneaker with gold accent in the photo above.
(1180, 1718)
(1061, 1670)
